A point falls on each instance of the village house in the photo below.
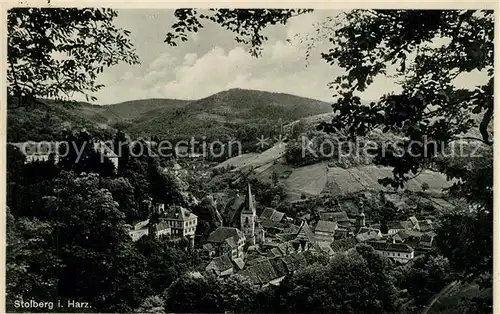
(175, 221)
(426, 225)
(339, 217)
(221, 266)
(42, 151)
(427, 239)
(304, 239)
(228, 241)
(325, 231)
(160, 229)
(396, 226)
(342, 233)
(38, 151)
(399, 252)
(182, 222)
(270, 271)
(139, 230)
(367, 234)
(411, 223)
(271, 218)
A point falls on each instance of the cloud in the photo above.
(204, 66)
(163, 61)
(190, 58)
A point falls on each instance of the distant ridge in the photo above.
(221, 113)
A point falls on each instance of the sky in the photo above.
(212, 61)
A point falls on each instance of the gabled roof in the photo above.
(277, 216)
(275, 252)
(325, 247)
(369, 235)
(413, 220)
(326, 226)
(222, 233)
(239, 263)
(267, 213)
(220, 264)
(232, 244)
(395, 224)
(396, 237)
(160, 225)
(305, 232)
(278, 266)
(141, 224)
(178, 213)
(393, 247)
(412, 233)
(208, 247)
(137, 234)
(286, 236)
(368, 230)
(334, 216)
(294, 261)
(250, 274)
(265, 271)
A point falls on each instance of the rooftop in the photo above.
(220, 263)
(393, 247)
(326, 226)
(222, 233)
(178, 213)
(334, 216)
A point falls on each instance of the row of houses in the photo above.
(265, 248)
(43, 151)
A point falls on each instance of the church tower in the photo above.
(361, 219)
(248, 217)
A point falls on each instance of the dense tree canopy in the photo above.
(363, 279)
(56, 52)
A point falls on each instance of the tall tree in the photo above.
(31, 260)
(101, 265)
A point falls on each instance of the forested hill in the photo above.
(220, 114)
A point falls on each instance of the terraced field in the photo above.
(315, 179)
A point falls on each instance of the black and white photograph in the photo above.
(222, 159)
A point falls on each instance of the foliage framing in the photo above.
(54, 53)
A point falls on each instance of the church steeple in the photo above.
(248, 217)
(248, 207)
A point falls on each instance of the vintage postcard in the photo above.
(248, 157)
